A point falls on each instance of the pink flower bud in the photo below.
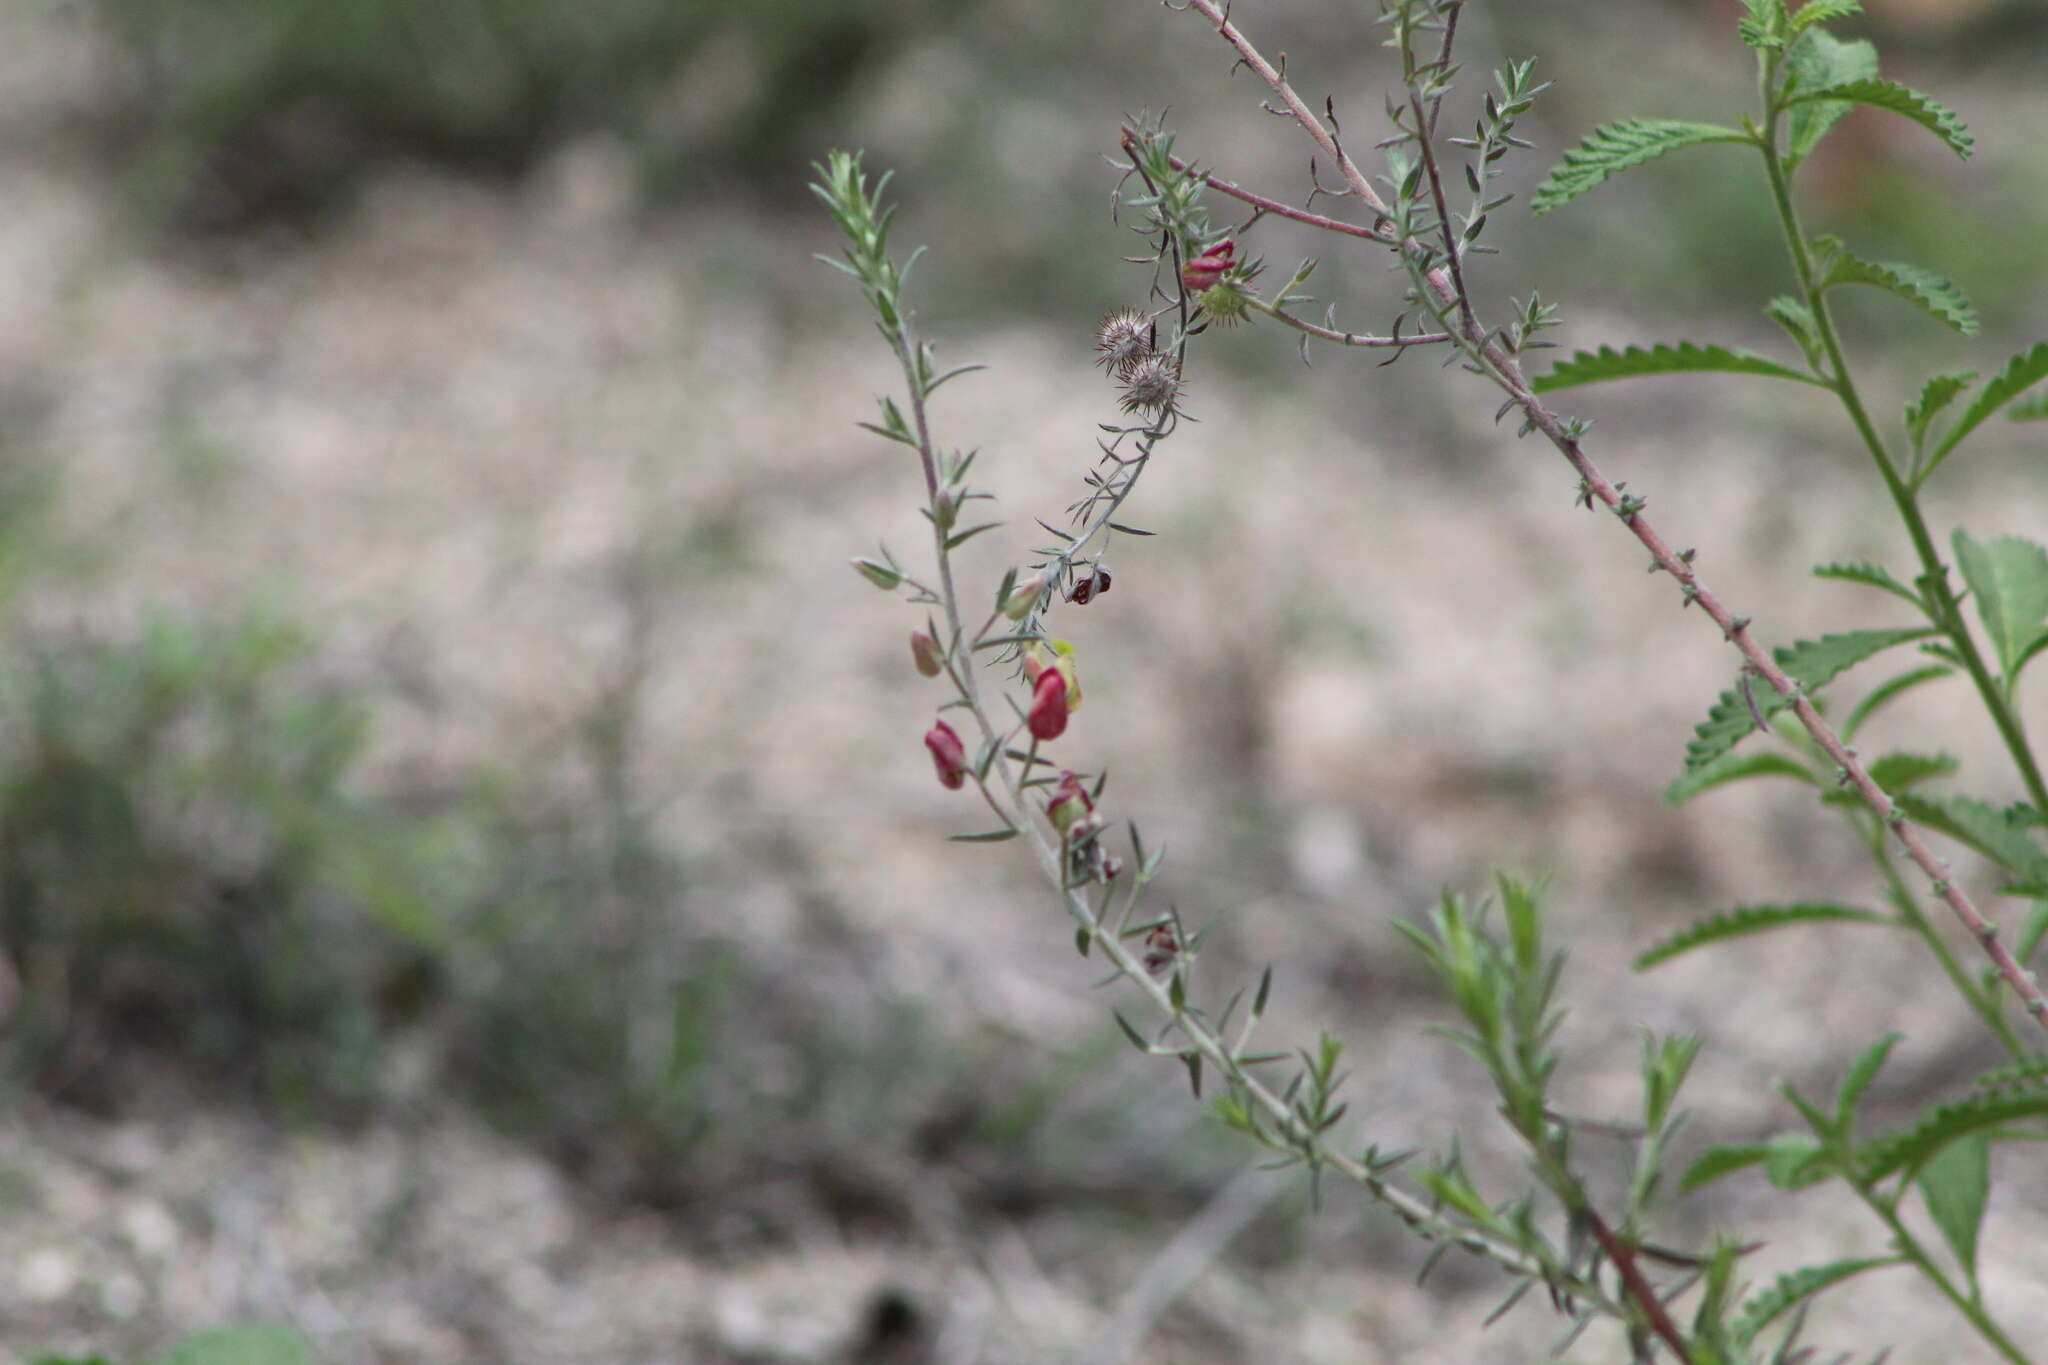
(948, 755)
(924, 652)
(1024, 597)
(1070, 803)
(1048, 715)
(1206, 269)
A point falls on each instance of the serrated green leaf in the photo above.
(1733, 767)
(1911, 1148)
(1795, 1161)
(1743, 920)
(1614, 147)
(2010, 579)
(1763, 23)
(1763, 1308)
(1587, 367)
(1983, 828)
(1816, 60)
(2028, 1071)
(2031, 409)
(1823, 12)
(1924, 289)
(2021, 373)
(1811, 662)
(1936, 394)
(1935, 117)
(1716, 1162)
(1858, 1077)
(1888, 691)
(1956, 1182)
(1862, 571)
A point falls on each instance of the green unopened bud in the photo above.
(924, 652)
(1024, 596)
(881, 575)
(946, 506)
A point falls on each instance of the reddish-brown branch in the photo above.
(1638, 1288)
(1506, 371)
(1274, 206)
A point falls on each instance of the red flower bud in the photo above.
(948, 755)
(1206, 269)
(1070, 803)
(1048, 715)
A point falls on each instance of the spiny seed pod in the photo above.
(1122, 339)
(1088, 587)
(1048, 714)
(1224, 303)
(1206, 269)
(924, 652)
(878, 573)
(1152, 386)
(949, 756)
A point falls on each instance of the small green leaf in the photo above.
(1924, 289)
(1858, 1077)
(1796, 1161)
(257, 1345)
(2029, 409)
(2021, 373)
(1935, 117)
(1763, 23)
(994, 836)
(1614, 147)
(1911, 1148)
(1130, 530)
(1589, 367)
(1936, 394)
(2010, 579)
(1815, 61)
(1797, 320)
(955, 541)
(1137, 1040)
(1733, 767)
(1810, 662)
(1956, 1182)
(1897, 771)
(1823, 12)
(1862, 571)
(1761, 1309)
(1888, 691)
(1716, 1162)
(1744, 920)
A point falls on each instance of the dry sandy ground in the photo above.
(1369, 656)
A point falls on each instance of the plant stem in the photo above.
(1967, 1305)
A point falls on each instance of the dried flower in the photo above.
(1152, 385)
(882, 575)
(949, 756)
(1162, 946)
(1048, 715)
(1206, 269)
(1122, 339)
(1088, 587)
(924, 652)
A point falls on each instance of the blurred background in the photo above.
(470, 886)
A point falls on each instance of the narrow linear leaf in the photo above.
(1924, 289)
(1129, 530)
(1862, 571)
(1587, 367)
(1911, 1148)
(1716, 1162)
(1733, 767)
(1956, 1182)
(1888, 691)
(1930, 114)
(2009, 577)
(1614, 147)
(1763, 1308)
(994, 836)
(1937, 393)
(2021, 373)
(1810, 662)
(1858, 1077)
(954, 542)
(1744, 920)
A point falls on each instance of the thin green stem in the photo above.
(1966, 1304)
(1938, 597)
